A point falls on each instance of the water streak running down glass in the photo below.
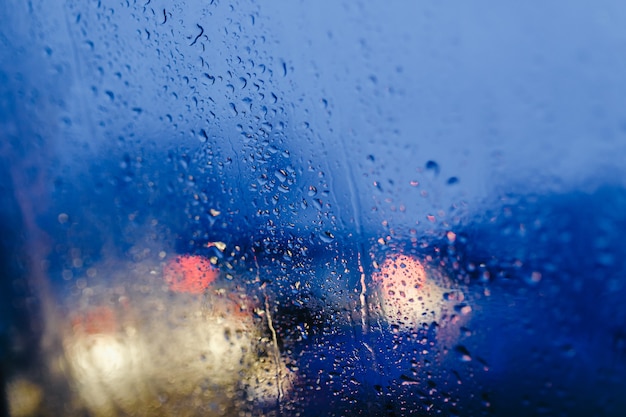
(218, 208)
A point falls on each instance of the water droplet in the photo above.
(210, 78)
(535, 277)
(318, 203)
(463, 309)
(281, 175)
(433, 167)
(203, 136)
(463, 353)
(327, 237)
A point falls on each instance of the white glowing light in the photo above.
(106, 370)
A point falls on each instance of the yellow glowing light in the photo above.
(178, 353)
(24, 398)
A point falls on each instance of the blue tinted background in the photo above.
(329, 125)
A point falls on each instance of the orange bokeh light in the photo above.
(401, 271)
(408, 296)
(189, 274)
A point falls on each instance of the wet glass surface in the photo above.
(238, 208)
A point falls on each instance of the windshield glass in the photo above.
(335, 208)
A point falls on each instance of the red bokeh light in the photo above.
(96, 320)
(189, 274)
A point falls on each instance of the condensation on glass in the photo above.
(219, 208)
